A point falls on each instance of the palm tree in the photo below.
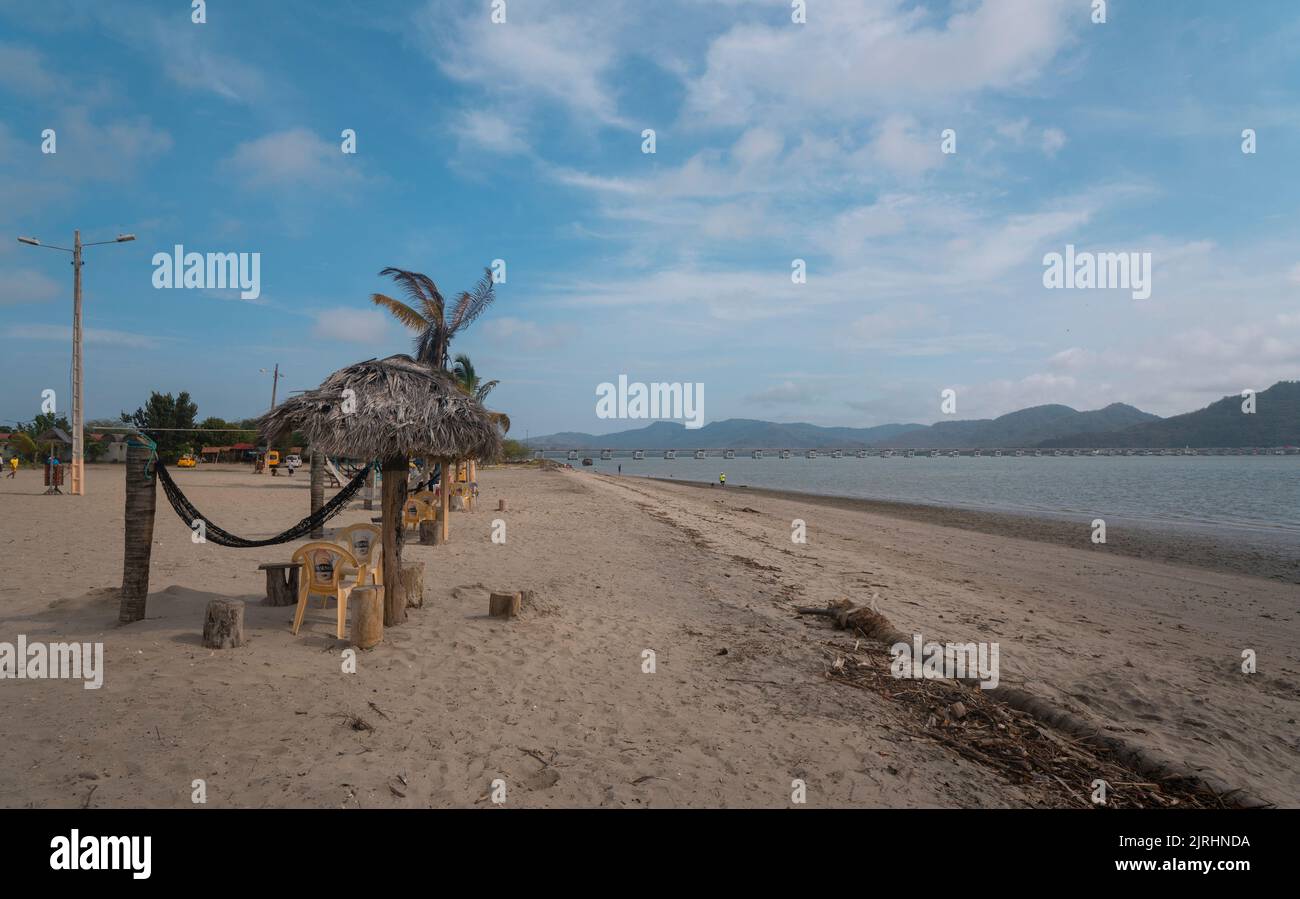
(428, 314)
(469, 382)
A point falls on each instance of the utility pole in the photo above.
(78, 466)
(78, 428)
(275, 382)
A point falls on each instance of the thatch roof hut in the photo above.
(398, 408)
(390, 410)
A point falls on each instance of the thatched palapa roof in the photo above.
(403, 408)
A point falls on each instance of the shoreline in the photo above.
(1137, 541)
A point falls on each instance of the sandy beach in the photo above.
(556, 704)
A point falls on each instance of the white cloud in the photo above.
(786, 393)
(508, 333)
(27, 286)
(91, 336)
(859, 56)
(489, 131)
(1053, 141)
(23, 72)
(295, 157)
(368, 327)
(540, 51)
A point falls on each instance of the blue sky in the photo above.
(775, 141)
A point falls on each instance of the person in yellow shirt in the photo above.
(722, 479)
(13, 466)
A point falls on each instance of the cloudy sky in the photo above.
(775, 141)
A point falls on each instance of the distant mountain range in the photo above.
(1027, 427)
(1276, 422)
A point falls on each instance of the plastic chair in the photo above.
(414, 511)
(323, 567)
(367, 543)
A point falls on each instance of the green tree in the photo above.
(428, 317)
(160, 420)
(471, 384)
(24, 445)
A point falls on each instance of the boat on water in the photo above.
(670, 454)
(573, 455)
(757, 454)
(728, 454)
(701, 454)
(887, 454)
(934, 454)
(785, 454)
(812, 454)
(638, 455)
(606, 455)
(862, 454)
(837, 454)
(586, 460)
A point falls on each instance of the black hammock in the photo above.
(185, 509)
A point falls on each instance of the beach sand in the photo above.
(555, 703)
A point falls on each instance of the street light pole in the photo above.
(78, 466)
(78, 428)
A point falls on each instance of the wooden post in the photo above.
(392, 498)
(317, 491)
(412, 578)
(448, 478)
(370, 487)
(223, 625)
(504, 605)
(501, 505)
(367, 604)
(473, 479)
(141, 498)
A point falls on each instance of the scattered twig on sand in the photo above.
(378, 709)
(992, 733)
(86, 802)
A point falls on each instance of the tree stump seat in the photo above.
(281, 582)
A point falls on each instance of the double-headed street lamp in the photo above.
(78, 485)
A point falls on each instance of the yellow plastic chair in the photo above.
(323, 568)
(414, 511)
(367, 543)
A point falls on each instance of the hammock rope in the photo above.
(214, 534)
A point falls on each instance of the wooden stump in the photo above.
(412, 580)
(367, 604)
(281, 584)
(501, 505)
(504, 605)
(223, 626)
(141, 497)
(429, 532)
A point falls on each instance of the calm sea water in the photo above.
(1252, 498)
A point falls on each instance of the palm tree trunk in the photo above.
(141, 498)
(392, 499)
(317, 491)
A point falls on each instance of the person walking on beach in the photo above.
(13, 466)
(620, 469)
(722, 479)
